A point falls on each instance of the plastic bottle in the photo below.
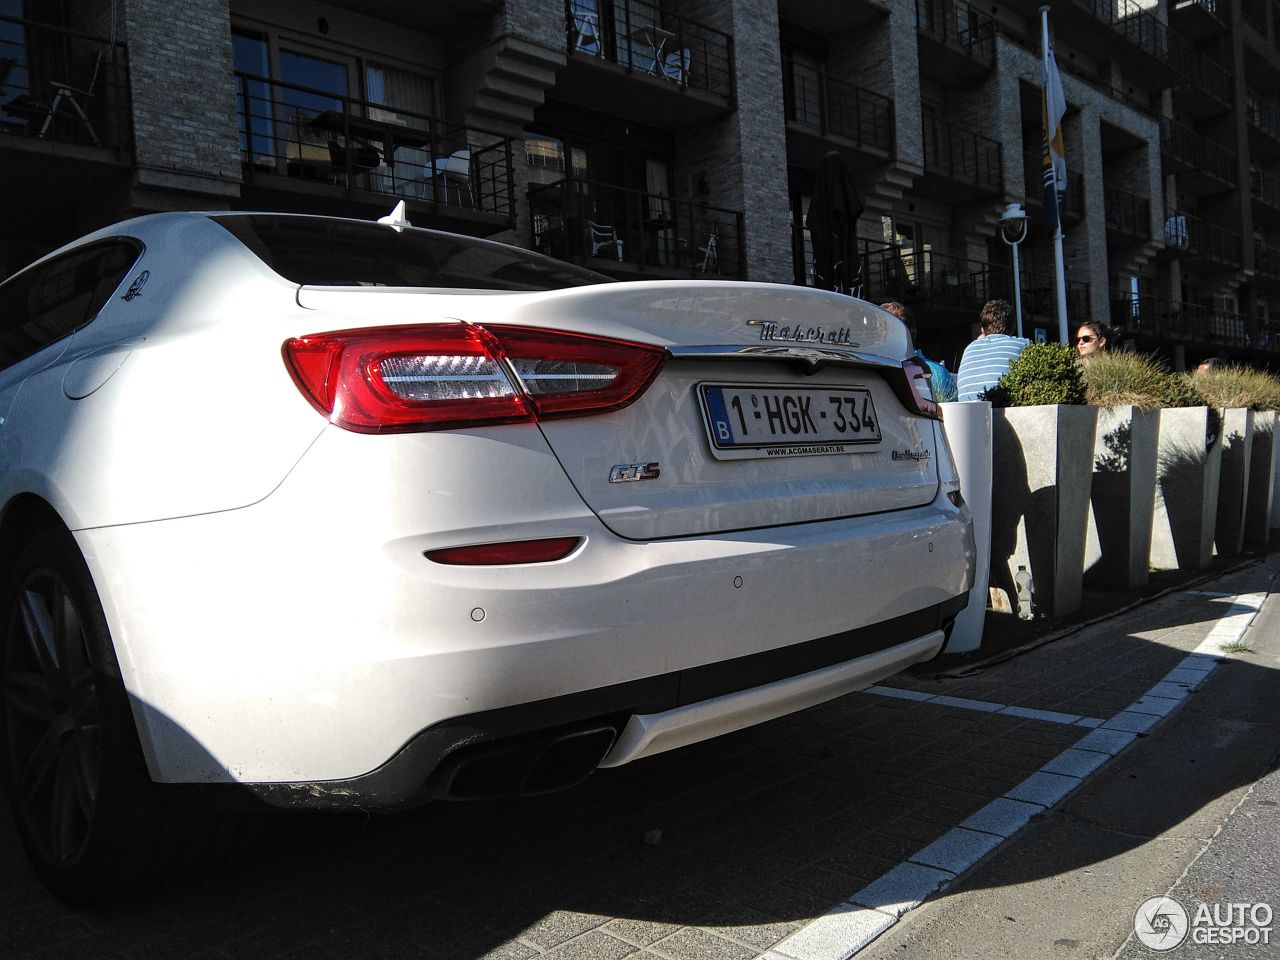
(1025, 589)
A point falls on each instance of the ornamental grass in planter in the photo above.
(1188, 464)
(1042, 446)
(1237, 391)
(1128, 390)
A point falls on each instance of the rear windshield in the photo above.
(319, 251)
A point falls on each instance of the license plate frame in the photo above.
(729, 425)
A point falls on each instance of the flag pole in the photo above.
(1059, 263)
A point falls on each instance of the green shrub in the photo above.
(1044, 373)
(1115, 378)
(1180, 391)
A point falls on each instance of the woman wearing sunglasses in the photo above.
(1091, 338)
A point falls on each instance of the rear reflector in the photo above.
(517, 551)
(450, 375)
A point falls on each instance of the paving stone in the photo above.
(593, 945)
(957, 850)
(1156, 706)
(1131, 721)
(639, 932)
(835, 935)
(561, 925)
(1076, 763)
(1044, 788)
(1003, 817)
(694, 944)
(903, 887)
(1105, 741)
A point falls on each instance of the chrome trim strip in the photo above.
(645, 735)
(804, 354)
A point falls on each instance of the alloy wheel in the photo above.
(51, 717)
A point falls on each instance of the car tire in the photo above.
(94, 825)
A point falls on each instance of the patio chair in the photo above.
(675, 65)
(352, 160)
(71, 96)
(604, 237)
(457, 168)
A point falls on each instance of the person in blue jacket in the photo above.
(943, 381)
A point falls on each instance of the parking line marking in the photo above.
(985, 706)
(851, 926)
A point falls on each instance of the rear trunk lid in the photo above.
(778, 405)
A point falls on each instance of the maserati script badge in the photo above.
(784, 333)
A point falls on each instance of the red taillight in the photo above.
(399, 379)
(920, 388)
(517, 551)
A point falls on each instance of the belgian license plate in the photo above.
(788, 421)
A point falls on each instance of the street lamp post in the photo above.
(1013, 230)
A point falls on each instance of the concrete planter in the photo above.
(1186, 508)
(1042, 466)
(968, 430)
(1233, 484)
(1118, 545)
(1262, 473)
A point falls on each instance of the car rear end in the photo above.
(545, 532)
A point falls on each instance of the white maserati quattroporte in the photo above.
(357, 515)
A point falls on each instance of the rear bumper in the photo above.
(306, 639)
(511, 747)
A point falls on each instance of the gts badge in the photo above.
(626, 472)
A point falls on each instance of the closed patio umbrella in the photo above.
(833, 224)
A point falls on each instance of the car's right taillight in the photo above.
(401, 379)
(920, 388)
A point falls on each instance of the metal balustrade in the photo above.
(610, 227)
(312, 135)
(1190, 322)
(1265, 187)
(647, 38)
(1266, 259)
(1188, 233)
(961, 155)
(1183, 143)
(62, 85)
(959, 25)
(1141, 28)
(837, 107)
(1033, 175)
(1127, 212)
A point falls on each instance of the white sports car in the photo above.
(355, 514)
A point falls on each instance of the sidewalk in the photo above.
(738, 848)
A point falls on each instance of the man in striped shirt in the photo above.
(987, 358)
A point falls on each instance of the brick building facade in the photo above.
(664, 138)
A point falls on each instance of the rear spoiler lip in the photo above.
(813, 358)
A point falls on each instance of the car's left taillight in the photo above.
(920, 388)
(400, 379)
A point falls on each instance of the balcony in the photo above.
(1266, 260)
(316, 148)
(1198, 19)
(60, 86)
(1203, 166)
(1127, 213)
(1209, 90)
(633, 58)
(1191, 323)
(959, 165)
(960, 40)
(824, 107)
(1033, 174)
(1265, 190)
(632, 234)
(1204, 246)
(1264, 126)
(924, 279)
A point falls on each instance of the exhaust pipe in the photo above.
(525, 766)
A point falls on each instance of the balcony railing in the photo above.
(1040, 296)
(1265, 187)
(1141, 28)
(62, 85)
(354, 145)
(1183, 143)
(1266, 259)
(928, 279)
(958, 25)
(1127, 212)
(1190, 234)
(836, 107)
(640, 35)
(1033, 174)
(1209, 5)
(1264, 115)
(1208, 75)
(610, 227)
(1191, 322)
(961, 155)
